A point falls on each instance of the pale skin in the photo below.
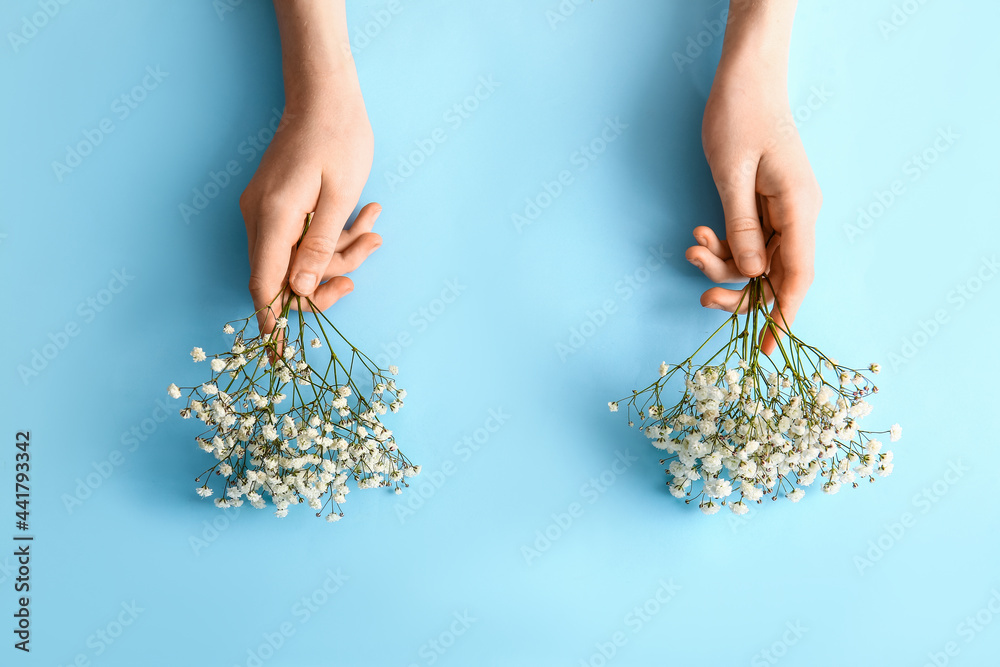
(765, 182)
(319, 160)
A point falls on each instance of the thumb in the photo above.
(319, 244)
(743, 228)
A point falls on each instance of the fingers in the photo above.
(743, 229)
(325, 295)
(765, 219)
(269, 266)
(316, 249)
(352, 257)
(794, 260)
(339, 285)
(717, 270)
(729, 300)
(706, 237)
(345, 261)
(361, 225)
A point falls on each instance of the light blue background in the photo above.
(495, 347)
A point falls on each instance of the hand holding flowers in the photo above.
(748, 425)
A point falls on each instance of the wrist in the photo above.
(758, 37)
(316, 59)
(320, 84)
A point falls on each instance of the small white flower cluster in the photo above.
(281, 428)
(746, 427)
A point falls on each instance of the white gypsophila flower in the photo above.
(393, 370)
(281, 323)
(709, 507)
(895, 432)
(298, 446)
(228, 329)
(875, 369)
(746, 425)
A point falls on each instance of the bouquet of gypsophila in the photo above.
(279, 426)
(749, 425)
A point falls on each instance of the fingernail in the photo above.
(304, 283)
(751, 262)
(697, 263)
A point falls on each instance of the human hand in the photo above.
(318, 161)
(770, 197)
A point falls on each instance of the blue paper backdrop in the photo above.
(511, 339)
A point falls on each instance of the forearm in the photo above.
(758, 35)
(316, 55)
